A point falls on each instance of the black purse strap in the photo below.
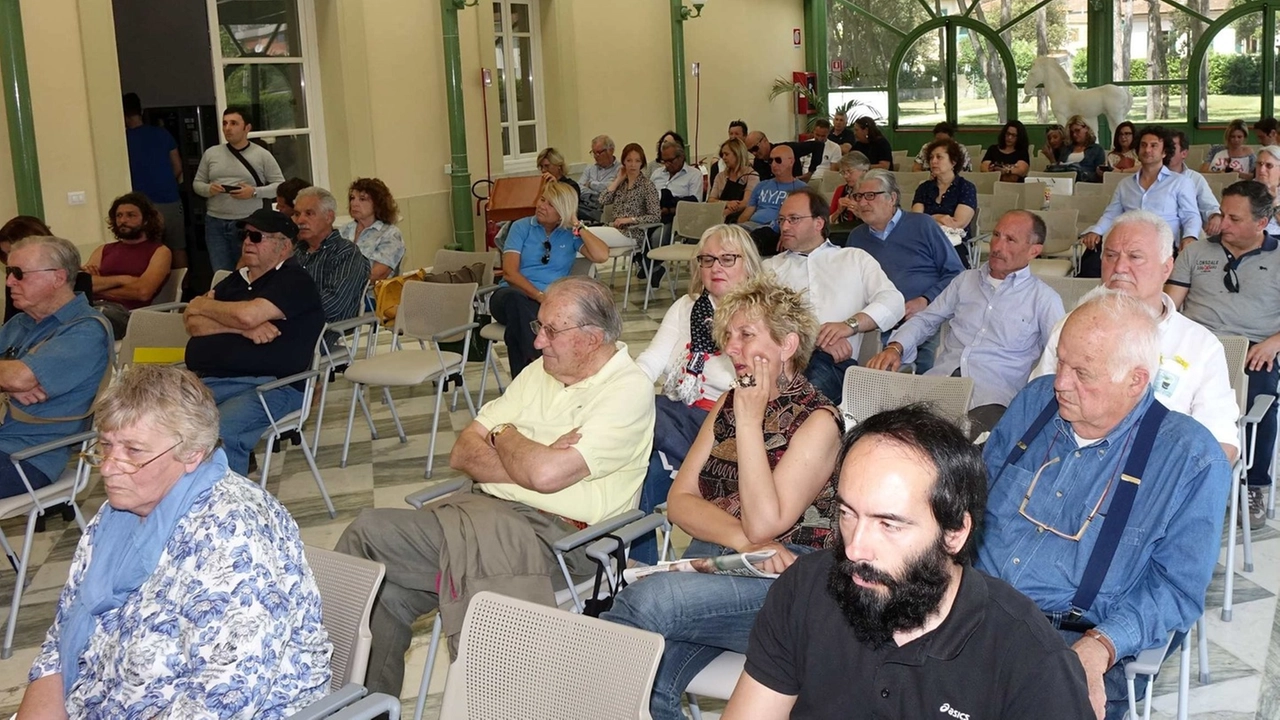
(595, 605)
(257, 179)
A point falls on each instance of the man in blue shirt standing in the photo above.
(1105, 508)
(155, 168)
(910, 247)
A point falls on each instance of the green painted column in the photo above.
(678, 70)
(1101, 50)
(17, 103)
(815, 44)
(460, 189)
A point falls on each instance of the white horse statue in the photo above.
(1065, 99)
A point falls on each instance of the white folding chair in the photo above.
(691, 220)
(171, 291)
(985, 182)
(867, 392)
(348, 586)
(219, 276)
(1070, 289)
(153, 337)
(1061, 254)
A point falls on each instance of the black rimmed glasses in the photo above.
(867, 196)
(97, 458)
(727, 260)
(793, 219)
(18, 273)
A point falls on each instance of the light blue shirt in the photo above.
(1166, 555)
(997, 333)
(596, 179)
(686, 182)
(1205, 200)
(888, 228)
(529, 240)
(1171, 196)
(767, 200)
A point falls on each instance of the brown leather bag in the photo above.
(387, 293)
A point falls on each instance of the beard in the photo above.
(904, 603)
(127, 232)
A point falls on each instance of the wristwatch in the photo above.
(852, 322)
(496, 431)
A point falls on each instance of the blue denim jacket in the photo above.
(1162, 568)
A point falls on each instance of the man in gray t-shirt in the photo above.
(1231, 285)
(224, 176)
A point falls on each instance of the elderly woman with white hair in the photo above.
(1267, 171)
(189, 594)
(539, 251)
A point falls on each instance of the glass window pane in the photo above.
(273, 94)
(1232, 72)
(520, 18)
(506, 140)
(873, 103)
(528, 136)
(497, 18)
(863, 47)
(921, 95)
(501, 73)
(1158, 102)
(522, 59)
(981, 91)
(293, 152)
(1152, 40)
(263, 28)
(1056, 31)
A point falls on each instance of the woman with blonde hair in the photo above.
(552, 166)
(734, 185)
(1236, 157)
(539, 250)
(1081, 153)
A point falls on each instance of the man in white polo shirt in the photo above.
(1137, 258)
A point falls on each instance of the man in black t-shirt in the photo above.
(258, 325)
(893, 621)
(841, 133)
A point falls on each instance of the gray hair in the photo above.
(594, 301)
(668, 145)
(887, 181)
(604, 140)
(326, 198)
(1154, 224)
(854, 160)
(58, 252)
(1134, 325)
(170, 399)
(1272, 150)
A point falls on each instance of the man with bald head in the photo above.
(1105, 507)
(760, 216)
(1137, 257)
(759, 146)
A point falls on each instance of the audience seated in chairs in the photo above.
(872, 143)
(131, 270)
(843, 208)
(1095, 433)
(736, 182)
(684, 355)
(287, 194)
(1009, 156)
(1210, 209)
(189, 594)
(849, 292)
(841, 133)
(1137, 259)
(553, 168)
(831, 154)
(337, 267)
(1155, 188)
(25, 226)
(1236, 157)
(941, 132)
(910, 248)
(539, 251)
(759, 146)
(1055, 136)
(760, 216)
(373, 228)
(676, 182)
(634, 198)
(896, 589)
(565, 446)
(1123, 156)
(759, 477)
(54, 363)
(1000, 317)
(1081, 153)
(257, 325)
(1229, 284)
(1267, 172)
(596, 178)
(947, 197)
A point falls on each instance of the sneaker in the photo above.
(659, 272)
(1257, 507)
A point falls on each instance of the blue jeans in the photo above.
(675, 428)
(11, 482)
(925, 352)
(222, 238)
(1263, 382)
(242, 419)
(828, 375)
(700, 616)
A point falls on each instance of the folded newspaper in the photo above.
(742, 564)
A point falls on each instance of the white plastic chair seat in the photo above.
(494, 331)
(718, 679)
(676, 252)
(404, 367)
(621, 250)
(1052, 268)
(22, 504)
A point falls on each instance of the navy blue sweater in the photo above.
(916, 256)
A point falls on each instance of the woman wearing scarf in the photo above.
(695, 373)
(189, 595)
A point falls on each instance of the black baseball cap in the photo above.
(271, 221)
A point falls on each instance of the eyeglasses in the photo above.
(96, 459)
(536, 326)
(867, 196)
(776, 160)
(1026, 499)
(598, 153)
(727, 260)
(252, 236)
(1230, 279)
(753, 149)
(793, 219)
(18, 273)
(668, 162)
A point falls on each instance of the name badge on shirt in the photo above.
(1171, 371)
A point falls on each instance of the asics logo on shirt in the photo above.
(948, 710)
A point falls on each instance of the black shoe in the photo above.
(639, 263)
(659, 272)
(292, 436)
(65, 509)
(253, 462)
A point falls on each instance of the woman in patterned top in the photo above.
(373, 216)
(759, 477)
(633, 196)
(189, 594)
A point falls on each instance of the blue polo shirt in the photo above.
(67, 352)
(529, 240)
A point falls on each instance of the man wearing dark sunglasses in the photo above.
(759, 146)
(257, 325)
(760, 216)
(1231, 285)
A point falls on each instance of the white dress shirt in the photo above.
(687, 181)
(840, 283)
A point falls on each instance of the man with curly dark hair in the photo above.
(132, 269)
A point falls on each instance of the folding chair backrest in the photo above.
(518, 659)
(1237, 348)
(993, 208)
(583, 266)
(1062, 230)
(171, 291)
(1071, 289)
(1084, 188)
(692, 219)
(830, 181)
(1068, 174)
(347, 587)
(985, 182)
(454, 260)
(427, 308)
(1029, 195)
(219, 276)
(867, 392)
(1112, 179)
(907, 184)
(153, 337)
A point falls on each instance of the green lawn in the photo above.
(983, 112)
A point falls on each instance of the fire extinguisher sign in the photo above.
(795, 37)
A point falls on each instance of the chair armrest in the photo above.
(586, 535)
(42, 448)
(165, 307)
(331, 703)
(487, 290)
(370, 707)
(1148, 661)
(600, 549)
(431, 492)
(1261, 404)
(281, 382)
(444, 335)
(345, 326)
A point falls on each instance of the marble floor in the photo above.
(1244, 654)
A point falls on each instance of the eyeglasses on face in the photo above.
(18, 273)
(753, 149)
(253, 236)
(793, 219)
(598, 153)
(777, 160)
(95, 458)
(867, 196)
(537, 326)
(727, 260)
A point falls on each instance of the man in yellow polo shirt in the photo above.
(566, 446)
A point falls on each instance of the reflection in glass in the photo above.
(501, 74)
(520, 18)
(528, 135)
(263, 28)
(273, 93)
(497, 18)
(921, 95)
(864, 49)
(522, 58)
(293, 152)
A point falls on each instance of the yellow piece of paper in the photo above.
(159, 355)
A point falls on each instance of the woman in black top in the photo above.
(872, 144)
(1009, 155)
(734, 185)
